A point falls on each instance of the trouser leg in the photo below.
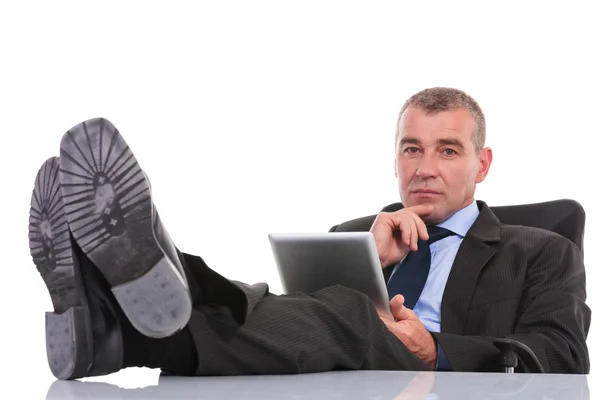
(256, 332)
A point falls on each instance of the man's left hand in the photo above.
(409, 329)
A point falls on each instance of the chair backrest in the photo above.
(565, 217)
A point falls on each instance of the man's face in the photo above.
(436, 161)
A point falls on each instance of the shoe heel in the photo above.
(68, 345)
(156, 303)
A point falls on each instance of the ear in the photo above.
(485, 161)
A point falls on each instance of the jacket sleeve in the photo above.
(553, 320)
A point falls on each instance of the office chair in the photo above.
(565, 217)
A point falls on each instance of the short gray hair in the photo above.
(437, 99)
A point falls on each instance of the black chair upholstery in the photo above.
(565, 217)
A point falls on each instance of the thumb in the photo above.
(400, 311)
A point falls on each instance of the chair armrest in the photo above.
(513, 352)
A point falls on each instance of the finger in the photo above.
(381, 226)
(396, 305)
(382, 232)
(404, 222)
(397, 301)
(414, 234)
(416, 212)
(404, 225)
(401, 313)
(421, 228)
(422, 209)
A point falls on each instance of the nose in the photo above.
(427, 167)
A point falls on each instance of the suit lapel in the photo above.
(477, 248)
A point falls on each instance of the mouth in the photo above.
(426, 193)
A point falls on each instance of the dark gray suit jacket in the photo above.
(516, 282)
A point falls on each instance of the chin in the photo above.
(415, 200)
(433, 219)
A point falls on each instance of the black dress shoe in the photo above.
(112, 218)
(83, 334)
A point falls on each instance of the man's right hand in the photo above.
(397, 233)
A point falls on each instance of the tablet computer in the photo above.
(307, 262)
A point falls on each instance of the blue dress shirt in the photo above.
(443, 252)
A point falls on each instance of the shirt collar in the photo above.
(461, 221)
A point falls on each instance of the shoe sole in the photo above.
(68, 329)
(109, 210)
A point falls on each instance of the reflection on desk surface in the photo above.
(341, 385)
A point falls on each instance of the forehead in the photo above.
(418, 124)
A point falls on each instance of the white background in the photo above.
(259, 117)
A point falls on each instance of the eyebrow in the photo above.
(448, 142)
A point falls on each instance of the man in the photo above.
(124, 295)
(487, 280)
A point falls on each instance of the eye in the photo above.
(449, 152)
(410, 150)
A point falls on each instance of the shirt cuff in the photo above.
(442, 362)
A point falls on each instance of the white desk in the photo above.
(349, 385)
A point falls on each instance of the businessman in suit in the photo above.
(486, 280)
(124, 295)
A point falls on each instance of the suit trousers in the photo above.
(240, 329)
